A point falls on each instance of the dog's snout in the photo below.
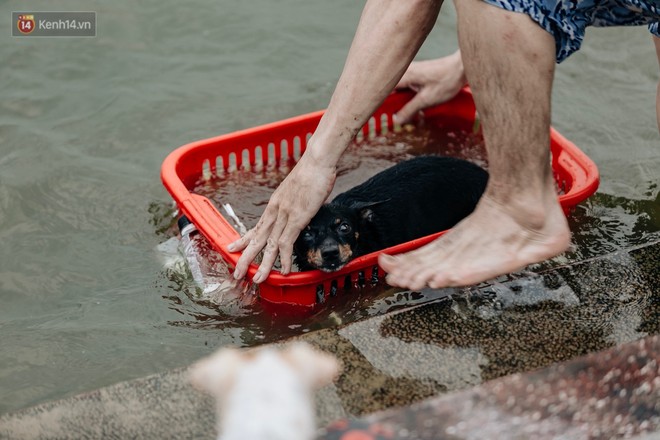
(329, 252)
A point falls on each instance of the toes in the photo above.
(450, 278)
(389, 263)
(423, 277)
(438, 282)
(412, 270)
(416, 284)
(407, 278)
(392, 280)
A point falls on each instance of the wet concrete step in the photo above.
(610, 394)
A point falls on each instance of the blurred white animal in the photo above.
(265, 394)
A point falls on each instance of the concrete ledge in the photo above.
(611, 394)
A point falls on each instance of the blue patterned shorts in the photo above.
(567, 20)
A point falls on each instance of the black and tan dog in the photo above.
(412, 199)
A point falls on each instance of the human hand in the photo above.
(289, 210)
(434, 81)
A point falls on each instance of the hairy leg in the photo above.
(509, 62)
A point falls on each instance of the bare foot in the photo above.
(495, 239)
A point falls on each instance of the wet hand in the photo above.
(291, 207)
(434, 81)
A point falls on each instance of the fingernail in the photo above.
(395, 119)
(237, 274)
(387, 258)
(231, 247)
(258, 277)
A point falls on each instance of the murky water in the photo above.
(86, 123)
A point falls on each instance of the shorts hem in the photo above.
(565, 45)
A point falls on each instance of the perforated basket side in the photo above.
(248, 149)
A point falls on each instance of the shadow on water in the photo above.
(600, 225)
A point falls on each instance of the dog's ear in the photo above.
(364, 210)
(366, 215)
(214, 374)
(315, 367)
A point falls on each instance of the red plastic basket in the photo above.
(576, 174)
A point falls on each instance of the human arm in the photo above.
(433, 81)
(388, 36)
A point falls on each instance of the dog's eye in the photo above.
(344, 228)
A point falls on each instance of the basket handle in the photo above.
(212, 224)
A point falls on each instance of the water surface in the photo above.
(86, 123)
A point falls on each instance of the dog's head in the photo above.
(331, 239)
(274, 385)
(218, 373)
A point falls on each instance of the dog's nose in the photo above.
(330, 252)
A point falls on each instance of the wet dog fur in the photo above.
(412, 199)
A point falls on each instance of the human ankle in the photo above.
(529, 211)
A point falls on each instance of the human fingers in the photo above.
(409, 80)
(256, 240)
(270, 251)
(241, 243)
(249, 254)
(408, 111)
(287, 239)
